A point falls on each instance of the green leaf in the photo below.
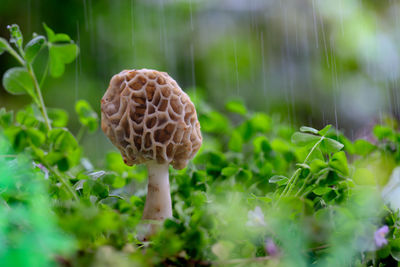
(281, 145)
(322, 190)
(363, 176)
(6, 118)
(363, 147)
(325, 130)
(244, 175)
(65, 151)
(135, 200)
(348, 145)
(87, 116)
(235, 143)
(58, 117)
(329, 145)
(33, 47)
(17, 81)
(3, 45)
(61, 55)
(316, 165)
(54, 157)
(114, 162)
(62, 140)
(61, 51)
(339, 162)
(302, 165)
(119, 182)
(81, 176)
(304, 139)
(306, 129)
(53, 38)
(214, 122)
(95, 188)
(27, 117)
(261, 144)
(230, 171)
(37, 137)
(383, 252)
(263, 198)
(30, 116)
(101, 190)
(236, 106)
(395, 248)
(260, 122)
(382, 132)
(279, 180)
(16, 35)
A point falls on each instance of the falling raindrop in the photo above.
(133, 27)
(236, 67)
(315, 25)
(78, 61)
(263, 65)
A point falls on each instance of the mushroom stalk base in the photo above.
(158, 201)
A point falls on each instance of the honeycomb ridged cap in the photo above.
(148, 117)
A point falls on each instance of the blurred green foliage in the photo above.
(313, 193)
(29, 232)
(312, 61)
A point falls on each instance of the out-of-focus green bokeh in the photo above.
(313, 61)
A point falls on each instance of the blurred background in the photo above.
(312, 61)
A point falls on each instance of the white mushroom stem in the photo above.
(158, 201)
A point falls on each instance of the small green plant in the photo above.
(23, 80)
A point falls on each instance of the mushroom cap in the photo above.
(148, 117)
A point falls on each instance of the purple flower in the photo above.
(379, 236)
(43, 169)
(271, 248)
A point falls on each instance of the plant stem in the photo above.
(290, 181)
(35, 82)
(294, 182)
(313, 148)
(80, 134)
(64, 182)
(304, 184)
(307, 192)
(293, 179)
(15, 54)
(44, 74)
(42, 107)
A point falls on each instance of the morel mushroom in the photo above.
(148, 117)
